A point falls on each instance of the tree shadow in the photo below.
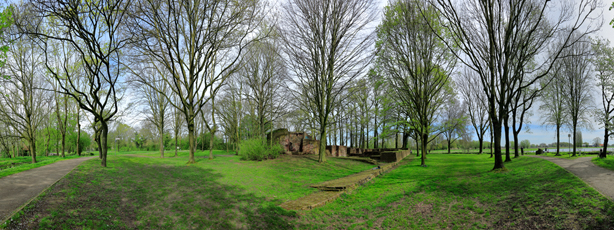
(149, 195)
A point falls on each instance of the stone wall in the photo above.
(337, 151)
(394, 156)
(311, 146)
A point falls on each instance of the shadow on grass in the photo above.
(133, 194)
(533, 194)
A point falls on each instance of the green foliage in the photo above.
(257, 150)
(525, 144)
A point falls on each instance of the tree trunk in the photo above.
(497, 146)
(424, 140)
(32, 144)
(322, 154)
(604, 154)
(574, 137)
(103, 142)
(78, 136)
(449, 143)
(507, 142)
(481, 143)
(191, 137)
(63, 143)
(417, 147)
(558, 140)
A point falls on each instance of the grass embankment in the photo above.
(460, 192)
(607, 162)
(154, 193)
(10, 166)
(453, 192)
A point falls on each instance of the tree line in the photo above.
(237, 70)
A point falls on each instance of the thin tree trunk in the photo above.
(507, 142)
(558, 140)
(605, 143)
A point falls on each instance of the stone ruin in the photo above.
(299, 143)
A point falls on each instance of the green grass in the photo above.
(460, 192)
(453, 192)
(607, 162)
(25, 163)
(153, 193)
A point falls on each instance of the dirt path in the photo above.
(20, 188)
(599, 178)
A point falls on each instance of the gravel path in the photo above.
(599, 178)
(19, 188)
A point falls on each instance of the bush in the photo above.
(257, 150)
(539, 152)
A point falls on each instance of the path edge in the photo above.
(570, 172)
(5, 222)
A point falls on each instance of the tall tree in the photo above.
(417, 63)
(500, 39)
(326, 43)
(265, 76)
(520, 112)
(553, 108)
(22, 101)
(199, 43)
(603, 60)
(475, 100)
(157, 105)
(576, 72)
(91, 31)
(454, 121)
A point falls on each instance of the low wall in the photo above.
(394, 156)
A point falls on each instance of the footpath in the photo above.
(19, 189)
(599, 178)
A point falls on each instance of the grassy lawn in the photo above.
(459, 192)
(453, 192)
(9, 166)
(153, 193)
(607, 163)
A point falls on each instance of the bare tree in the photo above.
(325, 42)
(23, 100)
(474, 98)
(576, 72)
(553, 108)
(417, 63)
(520, 112)
(265, 76)
(157, 104)
(454, 121)
(603, 60)
(199, 43)
(92, 32)
(500, 39)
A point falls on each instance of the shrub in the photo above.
(539, 152)
(257, 150)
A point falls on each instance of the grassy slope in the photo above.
(459, 192)
(455, 191)
(158, 193)
(607, 163)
